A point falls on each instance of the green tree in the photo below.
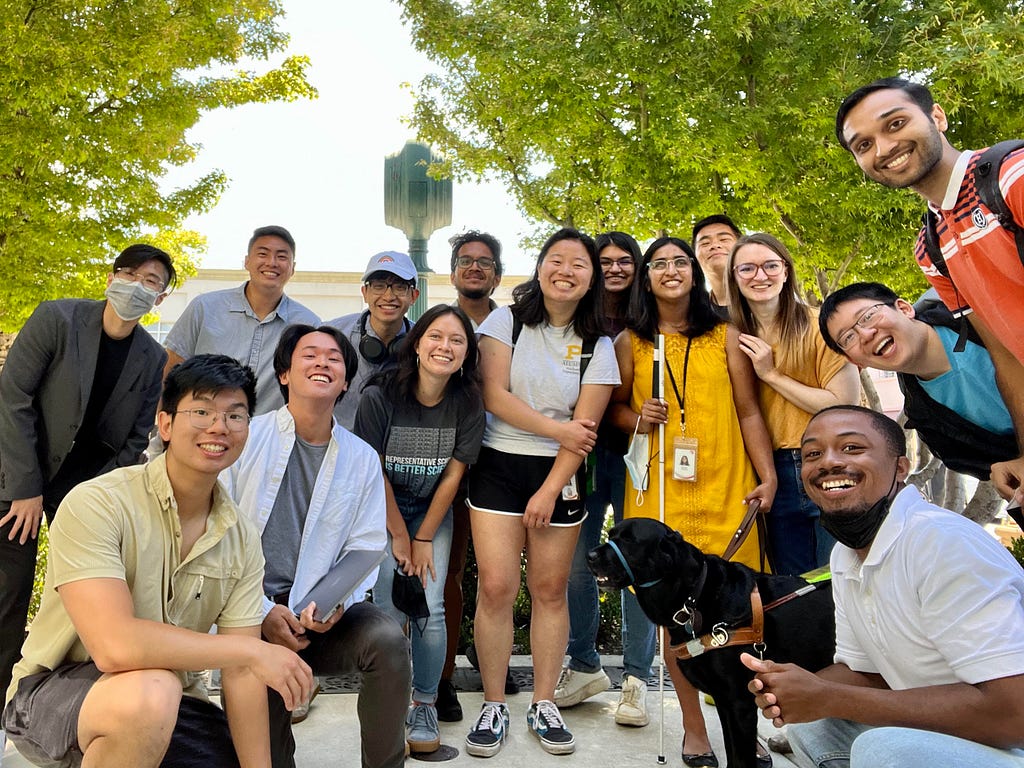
(96, 101)
(647, 114)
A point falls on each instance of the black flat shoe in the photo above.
(705, 760)
(764, 761)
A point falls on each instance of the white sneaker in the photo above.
(632, 707)
(574, 686)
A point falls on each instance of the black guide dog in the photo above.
(690, 593)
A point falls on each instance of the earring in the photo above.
(417, 361)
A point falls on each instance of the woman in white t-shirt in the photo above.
(527, 489)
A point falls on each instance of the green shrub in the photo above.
(1017, 550)
(37, 585)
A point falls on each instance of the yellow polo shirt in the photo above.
(124, 525)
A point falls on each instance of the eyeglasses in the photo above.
(867, 319)
(626, 262)
(772, 268)
(151, 281)
(380, 286)
(679, 262)
(485, 263)
(204, 418)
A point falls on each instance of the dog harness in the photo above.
(721, 636)
(629, 571)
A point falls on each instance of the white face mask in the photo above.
(638, 460)
(130, 300)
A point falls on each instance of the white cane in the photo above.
(659, 382)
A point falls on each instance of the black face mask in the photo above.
(857, 531)
(407, 595)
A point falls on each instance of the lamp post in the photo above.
(416, 204)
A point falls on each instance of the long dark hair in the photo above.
(528, 301)
(399, 383)
(643, 306)
(627, 243)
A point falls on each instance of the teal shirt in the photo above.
(969, 387)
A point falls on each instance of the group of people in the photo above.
(282, 443)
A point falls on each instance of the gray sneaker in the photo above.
(489, 732)
(422, 731)
(632, 707)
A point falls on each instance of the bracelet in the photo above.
(425, 541)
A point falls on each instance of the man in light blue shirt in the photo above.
(246, 322)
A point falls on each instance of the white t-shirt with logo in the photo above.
(546, 376)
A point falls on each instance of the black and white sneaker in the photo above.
(489, 732)
(545, 720)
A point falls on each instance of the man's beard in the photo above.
(930, 154)
(478, 293)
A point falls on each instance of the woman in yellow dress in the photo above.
(712, 420)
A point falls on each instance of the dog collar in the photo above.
(629, 571)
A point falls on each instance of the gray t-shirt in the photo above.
(545, 375)
(417, 441)
(223, 322)
(282, 535)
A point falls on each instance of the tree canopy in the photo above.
(645, 115)
(95, 102)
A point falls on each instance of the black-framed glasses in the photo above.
(771, 268)
(204, 418)
(151, 281)
(485, 263)
(400, 289)
(679, 262)
(626, 262)
(867, 319)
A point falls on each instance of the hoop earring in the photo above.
(417, 361)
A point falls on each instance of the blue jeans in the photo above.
(430, 645)
(609, 489)
(832, 743)
(797, 540)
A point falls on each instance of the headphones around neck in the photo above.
(372, 349)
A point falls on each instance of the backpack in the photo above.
(962, 445)
(986, 181)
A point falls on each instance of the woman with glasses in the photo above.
(715, 437)
(799, 375)
(548, 372)
(425, 418)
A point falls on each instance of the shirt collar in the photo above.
(956, 181)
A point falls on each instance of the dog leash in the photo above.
(744, 530)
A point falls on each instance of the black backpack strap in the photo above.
(929, 222)
(986, 180)
(517, 328)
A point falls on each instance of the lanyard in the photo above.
(680, 398)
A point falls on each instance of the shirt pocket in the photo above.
(200, 592)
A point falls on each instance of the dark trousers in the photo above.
(17, 571)
(367, 641)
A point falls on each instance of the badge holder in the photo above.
(684, 459)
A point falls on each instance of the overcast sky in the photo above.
(317, 167)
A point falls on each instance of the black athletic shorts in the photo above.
(502, 484)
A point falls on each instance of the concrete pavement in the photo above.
(329, 738)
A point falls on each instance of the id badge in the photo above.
(571, 491)
(684, 458)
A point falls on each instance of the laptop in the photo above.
(338, 584)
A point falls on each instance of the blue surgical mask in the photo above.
(130, 300)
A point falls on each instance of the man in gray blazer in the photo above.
(78, 397)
